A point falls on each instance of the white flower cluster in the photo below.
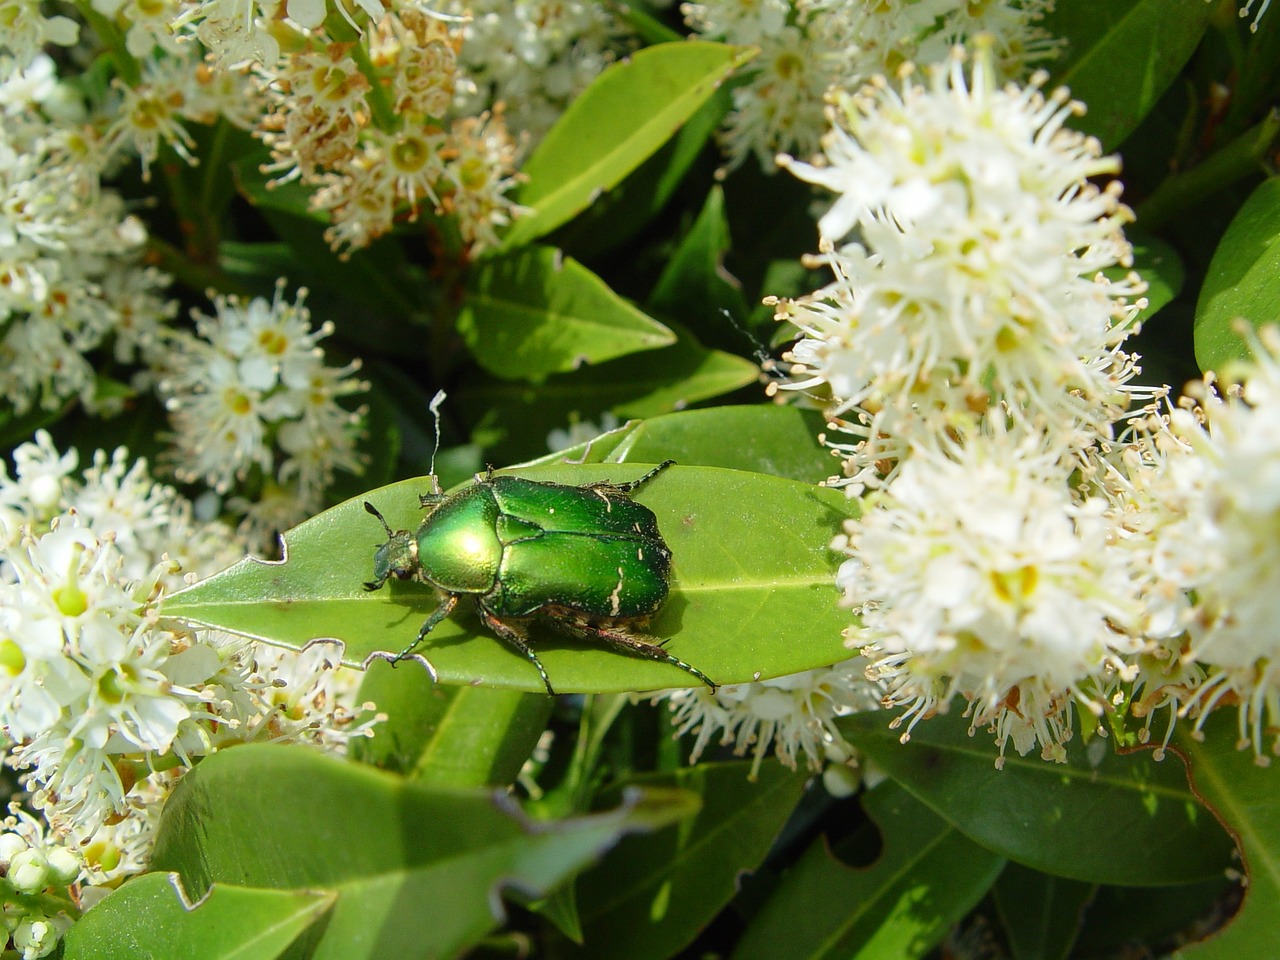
(810, 47)
(148, 521)
(1030, 544)
(69, 253)
(371, 156)
(970, 348)
(969, 353)
(1214, 517)
(250, 391)
(533, 57)
(103, 702)
(794, 715)
(975, 276)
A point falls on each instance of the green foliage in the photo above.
(151, 919)
(665, 887)
(1123, 56)
(535, 312)
(628, 113)
(1242, 279)
(416, 873)
(925, 877)
(1242, 793)
(1101, 816)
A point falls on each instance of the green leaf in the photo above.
(926, 878)
(618, 215)
(1243, 279)
(1099, 817)
(781, 441)
(1119, 917)
(695, 284)
(417, 871)
(651, 895)
(536, 312)
(1157, 263)
(752, 589)
(448, 736)
(624, 116)
(1245, 795)
(146, 919)
(1121, 56)
(1040, 913)
(641, 385)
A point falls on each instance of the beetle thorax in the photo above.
(458, 544)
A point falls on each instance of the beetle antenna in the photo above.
(771, 366)
(434, 407)
(370, 508)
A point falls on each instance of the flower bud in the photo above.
(11, 844)
(29, 871)
(35, 937)
(63, 865)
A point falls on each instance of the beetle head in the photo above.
(398, 557)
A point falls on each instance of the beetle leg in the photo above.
(518, 640)
(607, 487)
(446, 607)
(641, 646)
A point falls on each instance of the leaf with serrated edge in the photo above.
(1100, 817)
(750, 598)
(418, 871)
(1245, 796)
(149, 918)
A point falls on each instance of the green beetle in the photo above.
(588, 560)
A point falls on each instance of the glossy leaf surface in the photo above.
(926, 877)
(536, 312)
(1099, 817)
(146, 919)
(1243, 280)
(652, 894)
(417, 871)
(751, 596)
(631, 110)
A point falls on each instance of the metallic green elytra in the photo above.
(587, 560)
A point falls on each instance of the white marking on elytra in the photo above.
(615, 598)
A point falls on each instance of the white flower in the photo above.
(534, 57)
(810, 49)
(254, 384)
(977, 572)
(479, 174)
(792, 715)
(1224, 540)
(27, 29)
(154, 110)
(147, 521)
(976, 281)
(233, 31)
(68, 252)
